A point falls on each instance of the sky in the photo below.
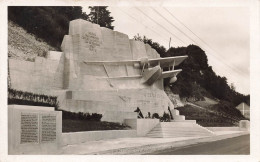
(222, 32)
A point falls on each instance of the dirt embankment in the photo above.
(23, 45)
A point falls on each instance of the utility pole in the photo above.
(170, 43)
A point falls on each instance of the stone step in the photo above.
(178, 134)
(178, 129)
(175, 136)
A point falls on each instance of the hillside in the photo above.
(198, 80)
(25, 46)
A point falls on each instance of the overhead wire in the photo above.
(173, 25)
(216, 56)
(143, 24)
(160, 25)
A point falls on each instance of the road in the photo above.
(232, 146)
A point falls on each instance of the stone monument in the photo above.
(33, 130)
(100, 71)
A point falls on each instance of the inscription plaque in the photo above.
(29, 128)
(92, 40)
(48, 131)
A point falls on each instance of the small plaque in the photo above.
(48, 131)
(29, 128)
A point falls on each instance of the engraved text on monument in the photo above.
(29, 128)
(48, 131)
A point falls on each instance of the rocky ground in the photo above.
(175, 98)
(23, 45)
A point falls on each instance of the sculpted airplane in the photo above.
(151, 69)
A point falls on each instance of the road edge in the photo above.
(145, 149)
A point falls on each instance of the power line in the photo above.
(174, 25)
(216, 56)
(143, 24)
(160, 25)
(185, 26)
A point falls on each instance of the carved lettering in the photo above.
(48, 131)
(153, 95)
(29, 128)
(92, 40)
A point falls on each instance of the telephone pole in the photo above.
(170, 43)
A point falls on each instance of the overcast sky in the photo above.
(225, 30)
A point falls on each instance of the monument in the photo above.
(33, 130)
(100, 71)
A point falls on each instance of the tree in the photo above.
(100, 15)
(159, 48)
(47, 23)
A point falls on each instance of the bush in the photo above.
(156, 116)
(28, 98)
(81, 116)
(96, 117)
(166, 117)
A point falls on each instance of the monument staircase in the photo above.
(186, 128)
(179, 127)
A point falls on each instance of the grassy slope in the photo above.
(208, 102)
(206, 117)
(24, 46)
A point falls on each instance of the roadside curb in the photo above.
(145, 149)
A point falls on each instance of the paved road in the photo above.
(232, 146)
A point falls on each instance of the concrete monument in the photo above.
(100, 71)
(34, 130)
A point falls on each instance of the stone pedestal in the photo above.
(33, 130)
(244, 125)
(142, 126)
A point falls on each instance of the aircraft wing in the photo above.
(164, 62)
(168, 74)
(123, 62)
(167, 61)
